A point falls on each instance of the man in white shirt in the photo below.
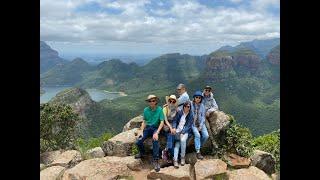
(184, 97)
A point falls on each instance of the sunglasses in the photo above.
(198, 97)
(207, 90)
(187, 106)
(178, 89)
(152, 101)
(172, 101)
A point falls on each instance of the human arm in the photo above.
(213, 106)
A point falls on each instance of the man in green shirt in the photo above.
(151, 126)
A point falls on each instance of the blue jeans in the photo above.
(200, 140)
(148, 132)
(170, 141)
(181, 140)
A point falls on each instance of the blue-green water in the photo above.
(95, 94)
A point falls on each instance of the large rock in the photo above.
(264, 161)
(42, 167)
(251, 173)
(216, 124)
(67, 159)
(96, 152)
(236, 161)
(210, 168)
(171, 173)
(133, 123)
(110, 167)
(275, 176)
(121, 144)
(191, 158)
(52, 173)
(48, 157)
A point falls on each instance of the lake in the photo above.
(95, 94)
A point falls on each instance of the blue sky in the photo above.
(155, 26)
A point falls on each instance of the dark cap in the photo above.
(208, 87)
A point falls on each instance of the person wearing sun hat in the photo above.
(151, 126)
(169, 111)
(199, 125)
(209, 102)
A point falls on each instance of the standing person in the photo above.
(183, 95)
(182, 124)
(169, 111)
(209, 102)
(151, 126)
(198, 124)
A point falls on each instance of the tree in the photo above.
(59, 127)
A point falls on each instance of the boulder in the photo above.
(52, 173)
(96, 152)
(121, 144)
(210, 168)
(67, 159)
(236, 161)
(251, 173)
(264, 161)
(109, 167)
(133, 123)
(216, 124)
(42, 166)
(171, 173)
(48, 157)
(275, 176)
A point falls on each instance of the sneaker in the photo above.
(199, 156)
(175, 164)
(169, 161)
(183, 161)
(156, 165)
(165, 155)
(138, 156)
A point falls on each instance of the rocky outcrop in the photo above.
(264, 161)
(77, 98)
(210, 168)
(42, 167)
(133, 123)
(96, 152)
(48, 57)
(48, 157)
(103, 168)
(171, 173)
(216, 125)
(274, 56)
(67, 159)
(121, 144)
(236, 161)
(251, 173)
(52, 173)
(251, 62)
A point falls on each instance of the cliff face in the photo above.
(48, 57)
(77, 98)
(274, 56)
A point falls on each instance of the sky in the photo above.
(193, 27)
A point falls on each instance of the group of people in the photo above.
(178, 119)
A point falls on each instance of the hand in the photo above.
(199, 129)
(173, 131)
(155, 136)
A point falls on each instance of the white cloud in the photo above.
(185, 23)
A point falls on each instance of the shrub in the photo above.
(58, 127)
(269, 143)
(237, 140)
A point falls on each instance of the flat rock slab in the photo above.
(211, 168)
(67, 159)
(236, 161)
(251, 173)
(52, 173)
(171, 173)
(133, 123)
(110, 167)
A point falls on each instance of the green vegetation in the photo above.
(238, 140)
(58, 127)
(269, 143)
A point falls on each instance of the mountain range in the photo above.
(246, 82)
